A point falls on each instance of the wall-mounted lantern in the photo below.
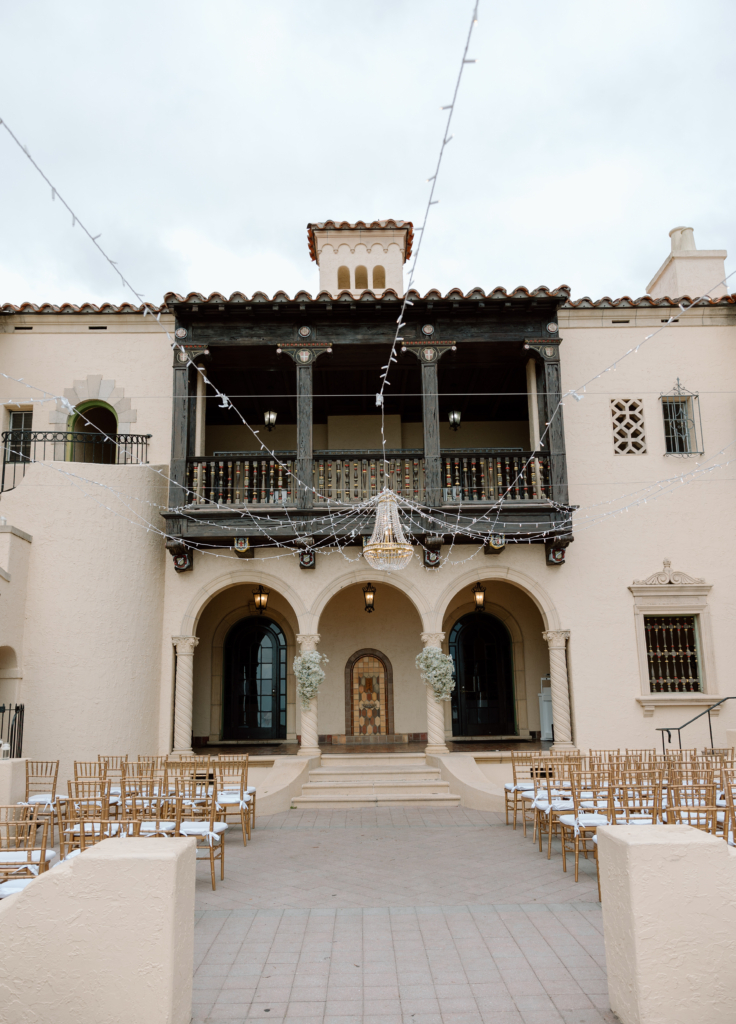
(369, 595)
(269, 418)
(479, 594)
(454, 418)
(260, 597)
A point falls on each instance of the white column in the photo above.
(557, 641)
(435, 708)
(309, 743)
(184, 692)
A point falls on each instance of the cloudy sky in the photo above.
(200, 138)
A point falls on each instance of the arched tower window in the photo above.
(90, 427)
(361, 278)
(343, 278)
(379, 278)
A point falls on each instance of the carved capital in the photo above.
(433, 639)
(308, 641)
(185, 644)
(556, 637)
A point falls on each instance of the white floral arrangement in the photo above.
(309, 675)
(438, 670)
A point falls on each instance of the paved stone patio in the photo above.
(397, 916)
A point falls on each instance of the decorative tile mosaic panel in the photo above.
(369, 697)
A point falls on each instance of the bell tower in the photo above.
(365, 255)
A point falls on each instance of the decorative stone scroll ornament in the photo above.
(435, 706)
(184, 646)
(557, 642)
(309, 676)
(667, 575)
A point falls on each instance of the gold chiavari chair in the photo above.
(20, 857)
(591, 795)
(521, 764)
(114, 769)
(726, 801)
(90, 770)
(694, 803)
(94, 789)
(155, 813)
(250, 790)
(553, 798)
(41, 781)
(231, 782)
(157, 760)
(196, 817)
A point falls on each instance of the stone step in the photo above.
(329, 760)
(325, 801)
(387, 786)
(343, 773)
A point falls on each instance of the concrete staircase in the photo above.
(370, 780)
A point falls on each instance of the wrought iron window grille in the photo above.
(683, 428)
(673, 653)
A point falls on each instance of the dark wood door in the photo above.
(254, 684)
(483, 698)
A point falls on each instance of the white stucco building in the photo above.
(115, 644)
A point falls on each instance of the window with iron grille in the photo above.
(18, 442)
(672, 653)
(627, 415)
(682, 427)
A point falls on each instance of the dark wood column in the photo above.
(431, 421)
(304, 471)
(181, 407)
(555, 439)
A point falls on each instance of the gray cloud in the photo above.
(200, 139)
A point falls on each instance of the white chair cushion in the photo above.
(584, 820)
(14, 886)
(21, 856)
(231, 798)
(161, 826)
(202, 828)
(40, 798)
(250, 789)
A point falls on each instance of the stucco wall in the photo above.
(93, 610)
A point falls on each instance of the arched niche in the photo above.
(379, 278)
(214, 620)
(343, 278)
(361, 278)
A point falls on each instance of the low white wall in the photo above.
(669, 919)
(284, 781)
(12, 780)
(474, 784)
(105, 937)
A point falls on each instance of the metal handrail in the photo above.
(678, 728)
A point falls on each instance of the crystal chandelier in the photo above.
(388, 549)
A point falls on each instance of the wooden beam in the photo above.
(305, 496)
(179, 433)
(555, 440)
(431, 422)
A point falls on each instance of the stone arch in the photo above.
(361, 575)
(518, 661)
(205, 594)
(95, 389)
(531, 587)
(208, 621)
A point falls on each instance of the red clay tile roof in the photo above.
(343, 225)
(389, 295)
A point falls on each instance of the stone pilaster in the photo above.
(184, 692)
(309, 743)
(557, 642)
(435, 708)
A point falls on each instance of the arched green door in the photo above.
(483, 698)
(254, 681)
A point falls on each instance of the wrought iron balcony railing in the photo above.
(352, 477)
(22, 447)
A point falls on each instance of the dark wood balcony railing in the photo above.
(22, 447)
(353, 477)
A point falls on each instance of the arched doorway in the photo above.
(254, 681)
(483, 698)
(369, 704)
(91, 427)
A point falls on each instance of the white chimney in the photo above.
(689, 270)
(365, 255)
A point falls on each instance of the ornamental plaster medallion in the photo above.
(180, 332)
(666, 576)
(305, 331)
(307, 559)
(552, 327)
(428, 329)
